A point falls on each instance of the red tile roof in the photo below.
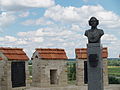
(52, 54)
(14, 53)
(1, 58)
(105, 52)
(81, 53)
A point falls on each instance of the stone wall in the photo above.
(41, 72)
(3, 82)
(80, 72)
(5, 76)
(105, 72)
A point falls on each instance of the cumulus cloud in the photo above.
(72, 14)
(67, 31)
(24, 14)
(15, 5)
(109, 38)
(38, 39)
(38, 32)
(75, 27)
(55, 37)
(10, 7)
(22, 42)
(6, 19)
(8, 38)
(40, 21)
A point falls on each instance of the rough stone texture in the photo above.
(80, 72)
(41, 72)
(105, 71)
(5, 75)
(5, 79)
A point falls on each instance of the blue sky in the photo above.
(31, 24)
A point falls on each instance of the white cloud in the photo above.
(55, 37)
(37, 39)
(81, 15)
(38, 32)
(6, 19)
(48, 32)
(40, 21)
(75, 27)
(23, 4)
(22, 42)
(67, 32)
(8, 39)
(24, 14)
(113, 43)
(109, 37)
(11, 7)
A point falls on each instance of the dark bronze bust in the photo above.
(94, 34)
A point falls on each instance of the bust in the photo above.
(94, 34)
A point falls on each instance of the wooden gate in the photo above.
(18, 76)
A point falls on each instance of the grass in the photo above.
(30, 69)
(114, 70)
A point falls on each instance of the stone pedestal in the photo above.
(95, 66)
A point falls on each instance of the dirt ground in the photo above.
(72, 87)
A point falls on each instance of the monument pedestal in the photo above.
(95, 66)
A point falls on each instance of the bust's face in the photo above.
(93, 22)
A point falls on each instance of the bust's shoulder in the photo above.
(88, 30)
(101, 31)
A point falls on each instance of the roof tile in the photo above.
(1, 58)
(14, 53)
(81, 53)
(52, 53)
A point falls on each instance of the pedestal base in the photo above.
(95, 66)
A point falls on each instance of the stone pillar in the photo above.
(105, 68)
(27, 75)
(36, 72)
(105, 72)
(80, 72)
(95, 66)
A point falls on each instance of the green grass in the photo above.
(30, 69)
(114, 71)
(72, 82)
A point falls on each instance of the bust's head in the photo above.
(93, 22)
